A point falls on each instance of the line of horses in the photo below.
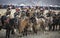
(31, 24)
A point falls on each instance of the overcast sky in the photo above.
(31, 2)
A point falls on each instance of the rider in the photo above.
(40, 13)
(17, 16)
(8, 11)
(49, 14)
(17, 12)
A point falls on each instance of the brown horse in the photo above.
(23, 24)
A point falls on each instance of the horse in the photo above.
(8, 25)
(37, 23)
(40, 24)
(48, 22)
(22, 27)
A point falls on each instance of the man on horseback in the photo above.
(40, 13)
(49, 15)
(6, 24)
(16, 17)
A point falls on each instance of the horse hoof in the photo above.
(24, 34)
(20, 36)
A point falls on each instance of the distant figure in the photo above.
(8, 11)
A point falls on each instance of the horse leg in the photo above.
(50, 27)
(59, 25)
(0, 27)
(56, 27)
(20, 33)
(25, 30)
(23, 33)
(12, 31)
(53, 27)
(7, 33)
(34, 30)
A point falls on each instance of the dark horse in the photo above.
(8, 25)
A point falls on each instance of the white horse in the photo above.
(40, 23)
